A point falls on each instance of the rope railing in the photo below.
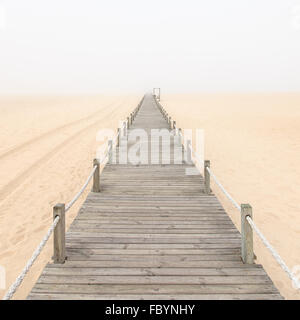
(13, 288)
(247, 222)
(223, 189)
(58, 224)
(274, 253)
(80, 192)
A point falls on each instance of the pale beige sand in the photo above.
(253, 142)
(46, 150)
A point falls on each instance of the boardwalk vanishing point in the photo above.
(152, 232)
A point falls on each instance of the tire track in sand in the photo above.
(45, 135)
(16, 182)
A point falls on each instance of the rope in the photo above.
(36, 253)
(69, 205)
(192, 150)
(115, 139)
(223, 189)
(274, 253)
(195, 155)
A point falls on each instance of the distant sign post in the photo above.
(156, 90)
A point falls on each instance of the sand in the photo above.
(253, 142)
(48, 143)
(46, 152)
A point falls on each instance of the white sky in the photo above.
(94, 46)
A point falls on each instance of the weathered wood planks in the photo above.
(153, 233)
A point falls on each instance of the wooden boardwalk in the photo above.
(152, 233)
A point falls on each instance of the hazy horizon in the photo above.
(93, 47)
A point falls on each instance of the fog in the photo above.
(92, 46)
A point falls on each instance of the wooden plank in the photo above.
(118, 225)
(189, 297)
(149, 246)
(169, 251)
(55, 271)
(154, 218)
(161, 219)
(151, 263)
(154, 288)
(159, 280)
(146, 236)
(153, 258)
(141, 239)
(165, 231)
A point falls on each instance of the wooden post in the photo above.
(174, 124)
(247, 234)
(206, 177)
(119, 137)
(156, 95)
(110, 151)
(127, 122)
(188, 151)
(170, 123)
(183, 151)
(180, 135)
(59, 239)
(131, 118)
(124, 129)
(96, 178)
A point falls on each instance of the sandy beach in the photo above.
(253, 142)
(46, 152)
